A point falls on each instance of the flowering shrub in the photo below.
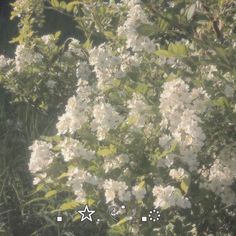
(42, 73)
(151, 124)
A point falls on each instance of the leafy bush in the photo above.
(152, 122)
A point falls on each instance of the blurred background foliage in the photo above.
(23, 120)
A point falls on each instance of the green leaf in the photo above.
(55, 3)
(132, 120)
(142, 88)
(55, 138)
(184, 185)
(69, 205)
(63, 5)
(50, 194)
(191, 11)
(221, 102)
(39, 187)
(141, 184)
(121, 222)
(88, 44)
(107, 151)
(163, 25)
(76, 218)
(146, 29)
(70, 6)
(178, 49)
(90, 201)
(62, 176)
(221, 53)
(164, 53)
(109, 34)
(38, 199)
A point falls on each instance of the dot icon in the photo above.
(154, 215)
(144, 219)
(59, 219)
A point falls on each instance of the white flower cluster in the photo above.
(49, 41)
(115, 189)
(73, 149)
(74, 48)
(77, 110)
(116, 162)
(221, 175)
(180, 108)
(136, 17)
(41, 156)
(37, 179)
(178, 174)
(169, 196)
(4, 62)
(77, 179)
(25, 7)
(128, 60)
(105, 119)
(106, 65)
(83, 71)
(139, 111)
(139, 192)
(24, 56)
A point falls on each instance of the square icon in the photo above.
(59, 219)
(144, 219)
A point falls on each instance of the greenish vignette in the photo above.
(212, 30)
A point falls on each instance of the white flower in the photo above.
(164, 140)
(167, 161)
(200, 100)
(136, 17)
(220, 174)
(116, 162)
(169, 196)
(129, 60)
(219, 180)
(3, 61)
(229, 91)
(39, 178)
(106, 66)
(178, 174)
(41, 156)
(74, 47)
(211, 69)
(77, 110)
(49, 41)
(139, 192)
(139, 110)
(116, 188)
(47, 38)
(83, 71)
(180, 108)
(105, 119)
(63, 123)
(77, 178)
(72, 149)
(25, 56)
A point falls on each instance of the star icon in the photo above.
(86, 214)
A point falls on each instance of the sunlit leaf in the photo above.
(146, 29)
(191, 11)
(69, 205)
(50, 193)
(107, 151)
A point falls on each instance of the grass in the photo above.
(19, 126)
